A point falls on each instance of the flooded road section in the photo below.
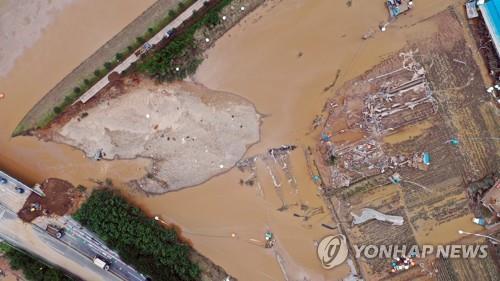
(281, 58)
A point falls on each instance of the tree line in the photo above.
(179, 58)
(32, 269)
(140, 241)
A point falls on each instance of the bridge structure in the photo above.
(73, 252)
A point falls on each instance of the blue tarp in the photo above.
(426, 158)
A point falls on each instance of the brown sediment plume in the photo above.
(257, 59)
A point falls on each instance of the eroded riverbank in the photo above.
(271, 58)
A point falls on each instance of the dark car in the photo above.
(55, 231)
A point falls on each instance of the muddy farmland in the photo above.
(379, 156)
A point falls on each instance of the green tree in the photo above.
(119, 56)
(140, 241)
(33, 269)
(108, 65)
(140, 40)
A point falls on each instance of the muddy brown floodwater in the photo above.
(281, 58)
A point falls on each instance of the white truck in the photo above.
(101, 262)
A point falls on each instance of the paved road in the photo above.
(79, 246)
(88, 244)
(8, 195)
(124, 65)
(35, 240)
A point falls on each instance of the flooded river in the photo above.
(281, 58)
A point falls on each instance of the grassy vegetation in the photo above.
(178, 59)
(140, 241)
(32, 268)
(4, 248)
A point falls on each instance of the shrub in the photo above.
(57, 110)
(77, 90)
(140, 40)
(86, 81)
(81, 188)
(97, 73)
(119, 56)
(68, 100)
(108, 65)
(108, 182)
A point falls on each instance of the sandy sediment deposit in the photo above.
(190, 133)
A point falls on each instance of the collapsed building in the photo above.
(404, 98)
(380, 106)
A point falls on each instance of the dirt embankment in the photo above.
(189, 132)
(61, 197)
(106, 52)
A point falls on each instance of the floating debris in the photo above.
(454, 141)
(99, 154)
(269, 239)
(395, 178)
(281, 149)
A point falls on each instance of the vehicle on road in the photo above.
(3, 180)
(19, 190)
(101, 262)
(55, 231)
(146, 47)
(169, 32)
